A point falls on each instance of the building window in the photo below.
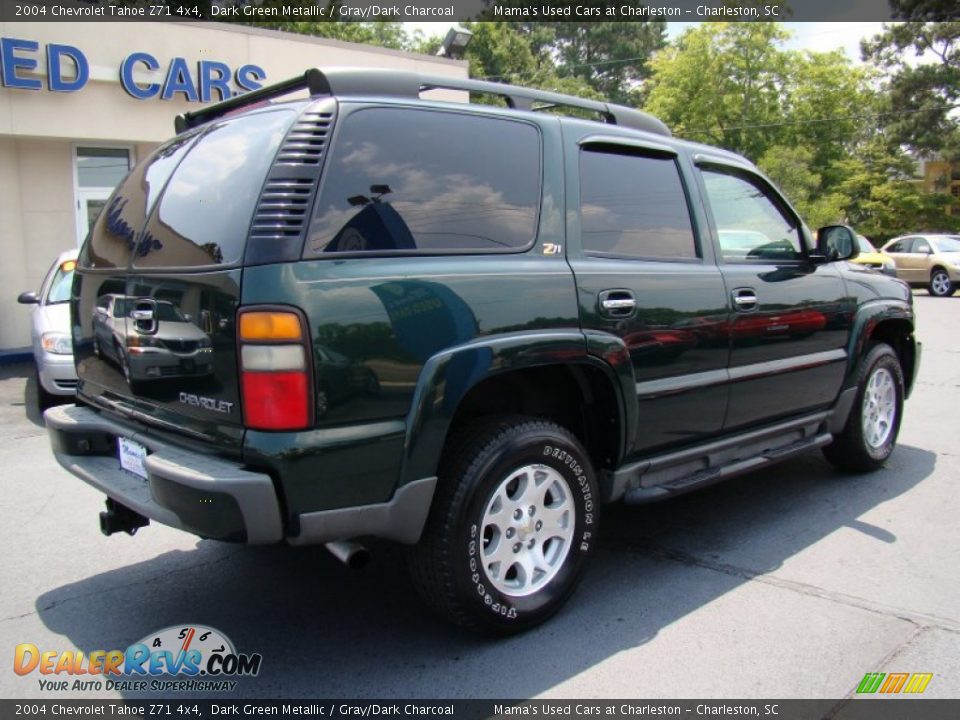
(97, 171)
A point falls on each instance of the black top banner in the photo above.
(574, 11)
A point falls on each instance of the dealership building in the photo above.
(81, 103)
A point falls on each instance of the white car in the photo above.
(50, 330)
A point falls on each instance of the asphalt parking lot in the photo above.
(793, 582)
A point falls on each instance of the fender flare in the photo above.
(447, 377)
(868, 317)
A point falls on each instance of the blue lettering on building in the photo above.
(211, 80)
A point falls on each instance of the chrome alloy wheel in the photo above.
(879, 409)
(940, 283)
(527, 530)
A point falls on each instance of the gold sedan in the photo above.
(930, 261)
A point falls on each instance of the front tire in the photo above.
(513, 524)
(869, 436)
(940, 283)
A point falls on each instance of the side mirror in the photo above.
(837, 242)
(28, 298)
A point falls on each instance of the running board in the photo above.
(679, 471)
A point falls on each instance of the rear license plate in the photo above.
(132, 456)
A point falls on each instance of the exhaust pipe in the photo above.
(120, 518)
(353, 555)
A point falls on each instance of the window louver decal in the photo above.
(283, 206)
(306, 140)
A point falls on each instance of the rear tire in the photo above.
(940, 283)
(513, 523)
(869, 436)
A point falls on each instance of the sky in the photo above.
(819, 36)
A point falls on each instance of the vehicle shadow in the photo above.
(325, 631)
(25, 373)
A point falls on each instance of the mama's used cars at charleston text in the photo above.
(464, 328)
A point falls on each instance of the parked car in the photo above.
(50, 332)
(526, 316)
(872, 258)
(927, 260)
(174, 347)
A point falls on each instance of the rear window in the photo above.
(405, 180)
(114, 234)
(204, 214)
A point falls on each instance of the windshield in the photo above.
(865, 245)
(62, 282)
(947, 244)
(168, 312)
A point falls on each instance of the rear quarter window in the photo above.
(409, 181)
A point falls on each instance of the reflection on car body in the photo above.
(172, 346)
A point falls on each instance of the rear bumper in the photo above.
(207, 496)
(217, 498)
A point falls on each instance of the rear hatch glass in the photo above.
(158, 283)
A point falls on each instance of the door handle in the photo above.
(745, 299)
(142, 314)
(617, 303)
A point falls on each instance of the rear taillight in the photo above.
(275, 384)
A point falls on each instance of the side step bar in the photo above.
(680, 471)
(702, 478)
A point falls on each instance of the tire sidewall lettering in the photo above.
(566, 461)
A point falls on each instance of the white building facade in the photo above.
(81, 103)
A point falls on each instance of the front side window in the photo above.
(634, 206)
(62, 282)
(425, 181)
(750, 223)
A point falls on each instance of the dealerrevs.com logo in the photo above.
(184, 658)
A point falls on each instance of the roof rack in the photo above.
(344, 82)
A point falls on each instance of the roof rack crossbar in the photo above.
(400, 83)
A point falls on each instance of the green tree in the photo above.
(922, 59)
(610, 57)
(725, 84)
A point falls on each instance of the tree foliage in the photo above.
(922, 60)
(811, 121)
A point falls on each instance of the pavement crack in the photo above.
(884, 662)
(915, 618)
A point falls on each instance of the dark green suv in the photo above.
(461, 327)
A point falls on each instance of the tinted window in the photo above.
(113, 236)
(920, 245)
(418, 180)
(750, 224)
(895, 247)
(204, 214)
(635, 206)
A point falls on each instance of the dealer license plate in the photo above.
(132, 457)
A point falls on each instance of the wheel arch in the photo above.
(545, 374)
(891, 323)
